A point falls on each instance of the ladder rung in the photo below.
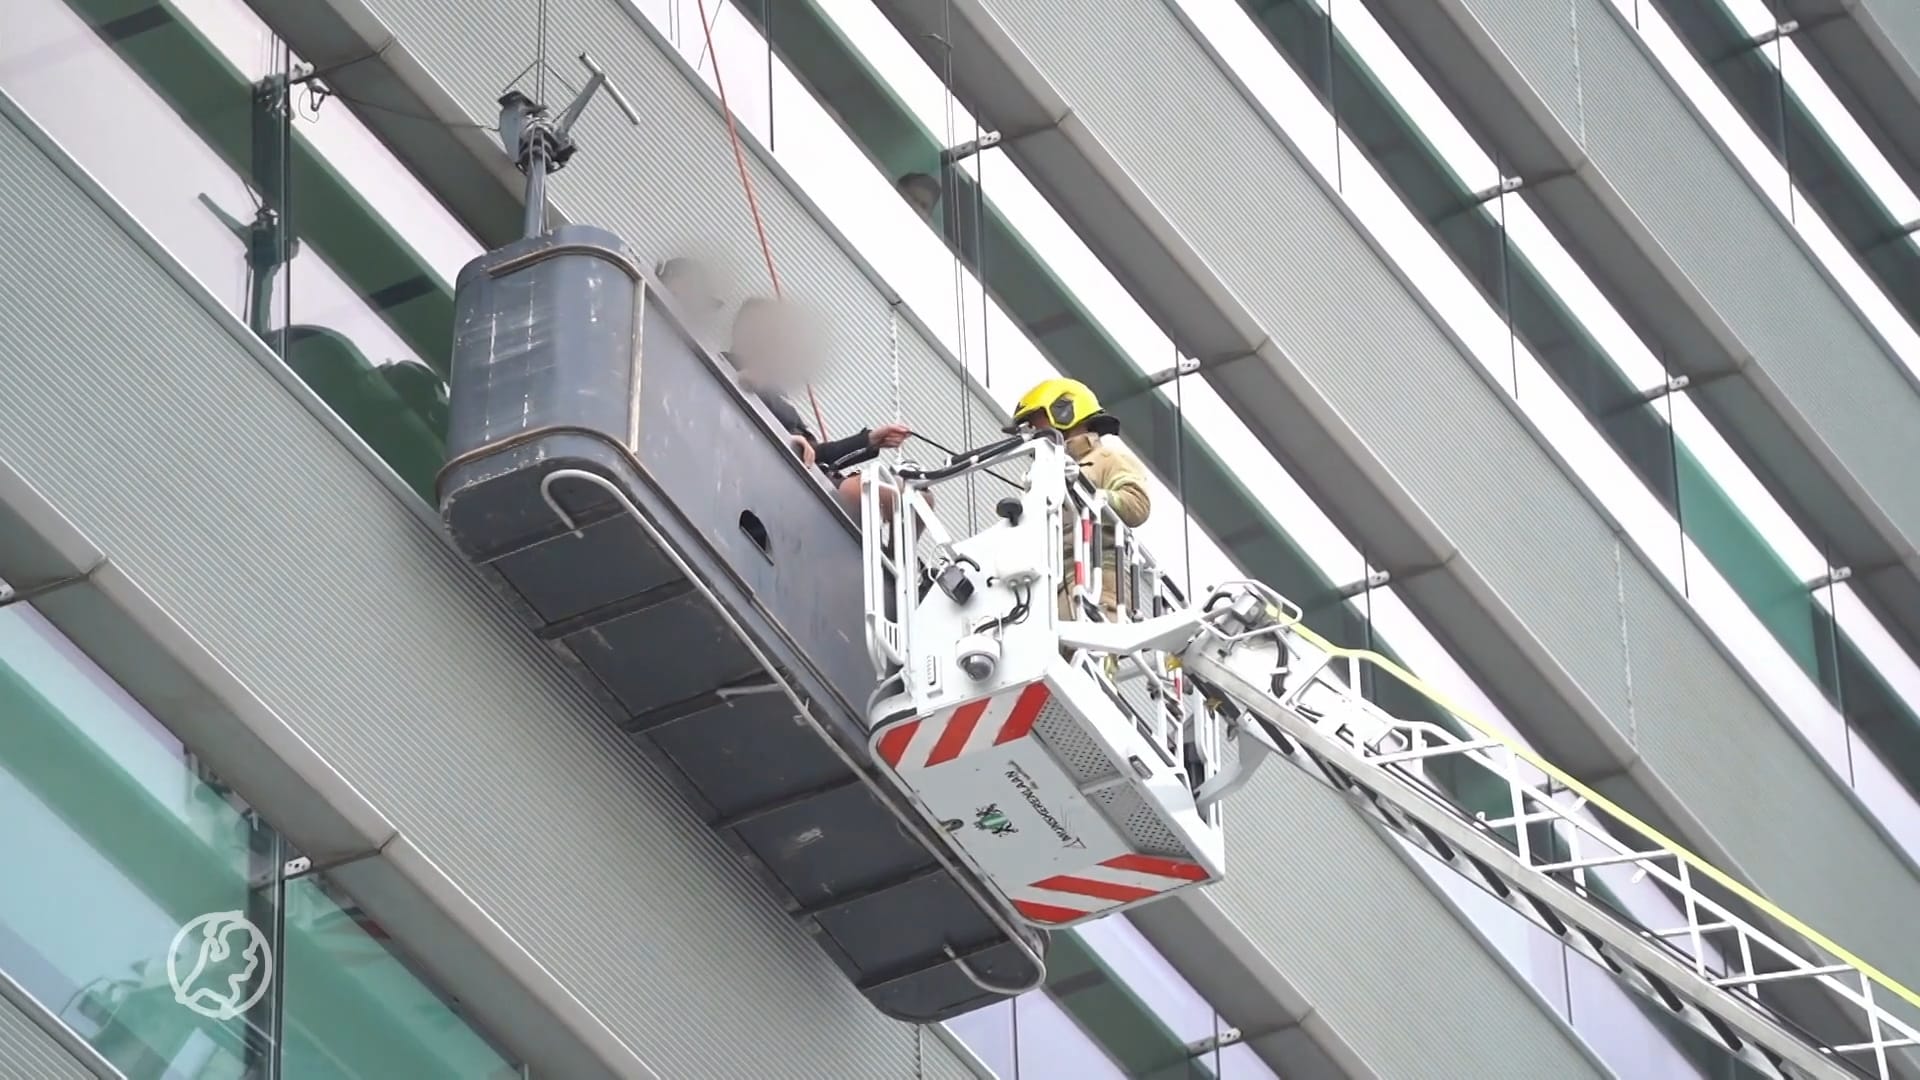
(1605, 860)
(1682, 931)
(1869, 1047)
(1784, 976)
(1539, 817)
(1445, 750)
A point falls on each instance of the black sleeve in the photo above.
(785, 414)
(856, 447)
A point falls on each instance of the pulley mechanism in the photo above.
(539, 144)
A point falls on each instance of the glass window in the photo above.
(1827, 158)
(145, 904)
(249, 203)
(1032, 1036)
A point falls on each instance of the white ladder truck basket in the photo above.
(1074, 743)
(1066, 775)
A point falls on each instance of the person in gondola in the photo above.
(775, 351)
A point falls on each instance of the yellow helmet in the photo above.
(1063, 404)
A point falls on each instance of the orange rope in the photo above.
(746, 183)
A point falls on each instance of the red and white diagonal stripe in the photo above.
(1096, 889)
(953, 733)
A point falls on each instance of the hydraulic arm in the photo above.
(1075, 744)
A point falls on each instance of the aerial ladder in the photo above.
(1077, 760)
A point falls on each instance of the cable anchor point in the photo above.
(540, 144)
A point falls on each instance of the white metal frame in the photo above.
(1018, 564)
(1344, 740)
(1317, 718)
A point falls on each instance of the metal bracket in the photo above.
(540, 145)
(1904, 231)
(954, 155)
(1833, 576)
(1768, 37)
(1674, 385)
(1758, 41)
(1507, 186)
(302, 866)
(24, 593)
(1187, 366)
(1200, 1048)
(1374, 580)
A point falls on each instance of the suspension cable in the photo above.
(980, 254)
(540, 61)
(951, 172)
(746, 184)
(1180, 469)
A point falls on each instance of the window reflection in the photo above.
(1050, 1043)
(988, 1033)
(111, 845)
(1109, 1010)
(262, 221)
(119, 845)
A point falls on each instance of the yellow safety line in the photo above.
(1596, 799)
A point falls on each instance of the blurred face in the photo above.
(698, 296)
(777, 344)
(754, 334)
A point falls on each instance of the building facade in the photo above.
(1566, 353)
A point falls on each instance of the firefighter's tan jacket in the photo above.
(1116, 472)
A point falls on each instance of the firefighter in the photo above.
(1069, 407)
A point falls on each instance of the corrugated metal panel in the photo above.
(1538, 36)
(149, 425)
(1744, 258)
(1252, 209)
(28, 1053)
(1343, 916)
(1900, 19)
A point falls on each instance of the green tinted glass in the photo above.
(143, 903)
